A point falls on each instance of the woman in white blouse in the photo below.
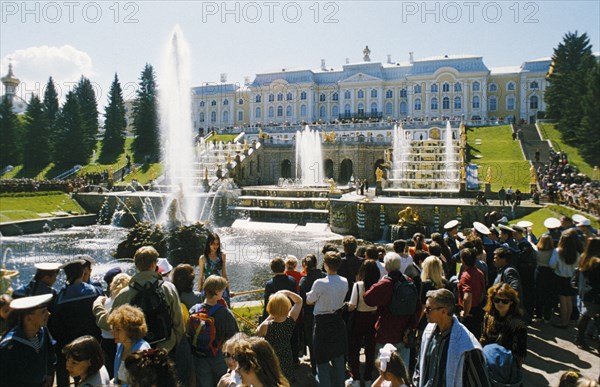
(563, 261)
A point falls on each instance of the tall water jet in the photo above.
(176, 124)
(450, 154)
(309, 157)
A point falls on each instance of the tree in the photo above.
(10, 135)
(571, 63)
(71, 151)
(115, 123)
(37, 136)
(89, 114)
(590, 124)
(146, 142)
(51, 111)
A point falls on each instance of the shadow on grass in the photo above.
(108, 159)
(31, 172)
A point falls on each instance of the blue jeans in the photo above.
(209, 370)
(332, 375)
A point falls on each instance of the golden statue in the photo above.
(331, 185)
(596, 173)
(463, 173)
(532, 175)
(488, 175)
(388, 155)
(329, 137)
(378, 175)
(407, 216)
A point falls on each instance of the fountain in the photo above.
(309, 158)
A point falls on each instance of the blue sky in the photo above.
(67, 39)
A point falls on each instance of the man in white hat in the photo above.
(27, 356)
(480, 230)
(44, 278)
(451, 236)
(585, 228)
(553, 226)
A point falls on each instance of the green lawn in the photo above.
(22, 207)
(538, 217)
(501, 154)
(247, 318)
(223, 137)
(549, 132)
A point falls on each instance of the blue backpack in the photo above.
(502, 367)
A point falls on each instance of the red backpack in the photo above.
(202, 331)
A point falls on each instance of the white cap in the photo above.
(578, 218)
(584, 222)
(525, 223)
(164, 267)
(451, 224)
(48, 266)
(551, 223)
(30, 302)
(75, 261)
(481, 228)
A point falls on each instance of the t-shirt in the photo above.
(471, 281)
(358, 291)
(100, 378)
(328, 294)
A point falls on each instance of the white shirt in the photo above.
(405, 261)
(357, 298)
(327, 294)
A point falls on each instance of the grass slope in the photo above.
(501, 154)
(538, 217)
(549, 132)
(21, 207)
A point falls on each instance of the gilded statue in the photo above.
(488, 175)
(379, 175)
(532, 175)
(331, 185)
(329, 137)
(408, 216)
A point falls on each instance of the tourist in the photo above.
(279, 281)
(109, 277)
(553, 226)
(406, 258)
(350, 262)
(588, 283)
(258, 365)
(445, 251)
(418, 244)
(232, 378)
(146, 261)
(5, 301)
(451, 236)
(107, 341)
(545, 293)
(471, 292)
(481, 231)
(446, 339)
(214, 319)
(503, 324)
(151, 368)
(85, 362)
(309, 263)
(371, 253)
(414, 270)
(213, 262)
(391, 328)
(509, 195)
(432, 277)
(392, 371)
(575, 379)
(164, 268)
(45, 276)
(330, 335)
(506, 271)
(362, 328)
(563, 261)
(27, 356)
(526, 264)
(183, 279)
(128, 326)
(291, 263)
(279, 326)
(73, 315)
(501, 196)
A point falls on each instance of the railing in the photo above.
(68, 173)
(6, 169)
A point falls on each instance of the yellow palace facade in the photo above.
(419, 90)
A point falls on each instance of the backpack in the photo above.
(502, 367)
(404, 297)
(203, 332)
(151, 299)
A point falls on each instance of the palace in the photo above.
(452, 86)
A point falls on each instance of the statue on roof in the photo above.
(366, 53)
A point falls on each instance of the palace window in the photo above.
(534, 85)
(510, 86)
(388, 108)
(271, 112)
(493, 102)
(279, 111)
(258, 99)
(202, 117)
(335, 111)
(374, 108)
(361, 109)
(257, 112)
(288, 111)
(335, 96)
(226, 102)
(417, 89)
(373, 93)
(446, 87)
(322, 97)
(388, 94)
(280, 97)
(457, 87)
(201, 103)
(418, 104)
(213, 103)
(322, 112)
(347, 109)
(288, 97)
(476, 86)
(347, 94)
(303, 110)
(303, 96)
(434, 103)
(457, 103)
(445, 103)
(434, 88)
(213, 116)
(476, 102)
(403, 93)
(271, 97)
(225, 116)
(510, 103)
(240, 116)
(493, 87)
(361, 94)
(240, 101)
(533, 102)
(403, 107)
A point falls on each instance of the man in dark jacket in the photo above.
(350, 262)
(280, 281)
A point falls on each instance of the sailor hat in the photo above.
(451, 224)
(86, 258)
(503, 220)
(525, 223)
(48, 266)
(505, 228)
(481, 228)
(551, 223)
(519, 229)
(495, 229)
(578, 218)
(72, 262)
(33, 302)
(164, 267)
(584, 222)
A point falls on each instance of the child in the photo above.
(151, 368)
(85, 361)
(5, 300)
(392, 372)
(232, 378)
(290, 269)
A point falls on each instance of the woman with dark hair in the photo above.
(151, 368)
(446, 254)
(258, 365)
(312, 273)
(419, 244)
(213, 262)
(363, 327)
(563, 261)
(588, 284)
(85, 362)
(502, 323)
(183, 279)
(545, 294)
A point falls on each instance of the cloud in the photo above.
(34, 65)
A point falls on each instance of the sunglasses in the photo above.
(429, 308)
(502, 300)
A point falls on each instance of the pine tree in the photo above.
(71, 151)
(52, 110)
(89, 114)
(115, 123)
(571, 63)
(590, 124)
(37, 136)
(10, 135)
(146, 142)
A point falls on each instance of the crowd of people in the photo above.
(449, 310)
(564, 184)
